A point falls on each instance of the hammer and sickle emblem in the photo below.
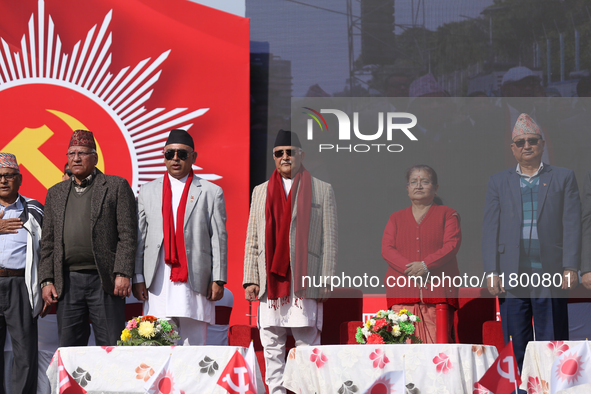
(25, 146)
(511, 373)
(242, 387)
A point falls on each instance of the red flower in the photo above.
(558, 347)
(537, 386)
(318, 358)
(375, 339)
(380, 323)
(442, 362)
(149, 318)
(379, 358)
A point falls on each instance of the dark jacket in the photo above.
(114, 231)
(558, 222)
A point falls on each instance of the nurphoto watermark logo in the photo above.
(389, 123)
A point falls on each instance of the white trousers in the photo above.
(192, 332)
(273, 340)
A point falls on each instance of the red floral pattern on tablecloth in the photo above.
(144, 372)
(480, 389)
(318, 358)
(379, 358)
(443, 363)
(557, 347)
(478, 349)
(108, 349)
(536, 385)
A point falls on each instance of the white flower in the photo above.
(413, 318)
(396, 333)
(365, 331)
(404, 318)
(394, 318)
(372, 321)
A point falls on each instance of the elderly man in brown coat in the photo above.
(88, 248)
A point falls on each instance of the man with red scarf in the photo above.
(292, 233)
(180, 266)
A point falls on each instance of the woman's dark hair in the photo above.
(432, 176)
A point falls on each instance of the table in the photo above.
(537, 366)
(430, 368)
(125, 369)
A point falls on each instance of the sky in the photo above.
(316, 40)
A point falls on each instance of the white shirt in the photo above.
(529, 177)
(176, 299)
(13, 246)
(286, 185)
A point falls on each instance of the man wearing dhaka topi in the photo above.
(531, 236)
(88, 248)
(182, 243)
(20, 232)
(292, 233)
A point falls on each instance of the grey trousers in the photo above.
(16, 316)
(273, 340)
(83, 299)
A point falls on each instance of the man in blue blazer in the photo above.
(531, 241)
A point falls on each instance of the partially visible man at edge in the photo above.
(88, 248)
(20, 231)
(532, 227)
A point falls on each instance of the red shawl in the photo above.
(278, 211)
(174, 240)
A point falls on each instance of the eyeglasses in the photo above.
(531, 141)
(182, 154)
(423, 182)
(290, 152)
(8, 177)
(83, 155)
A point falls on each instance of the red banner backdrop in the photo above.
(130, 71)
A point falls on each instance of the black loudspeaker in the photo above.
(377, 32)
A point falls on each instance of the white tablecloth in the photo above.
(437, 368)
(537, 366)
(125, 369)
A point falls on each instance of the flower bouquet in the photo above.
(389, 327)
(148, 331)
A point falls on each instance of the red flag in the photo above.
(234, 377)
(503, 376)
(67, 385)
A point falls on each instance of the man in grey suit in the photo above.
(181, 258)
(532, 236)
(87, 249)
(292, 233)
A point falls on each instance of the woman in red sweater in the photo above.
(422, 240)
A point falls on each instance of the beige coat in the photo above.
(322, 239)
